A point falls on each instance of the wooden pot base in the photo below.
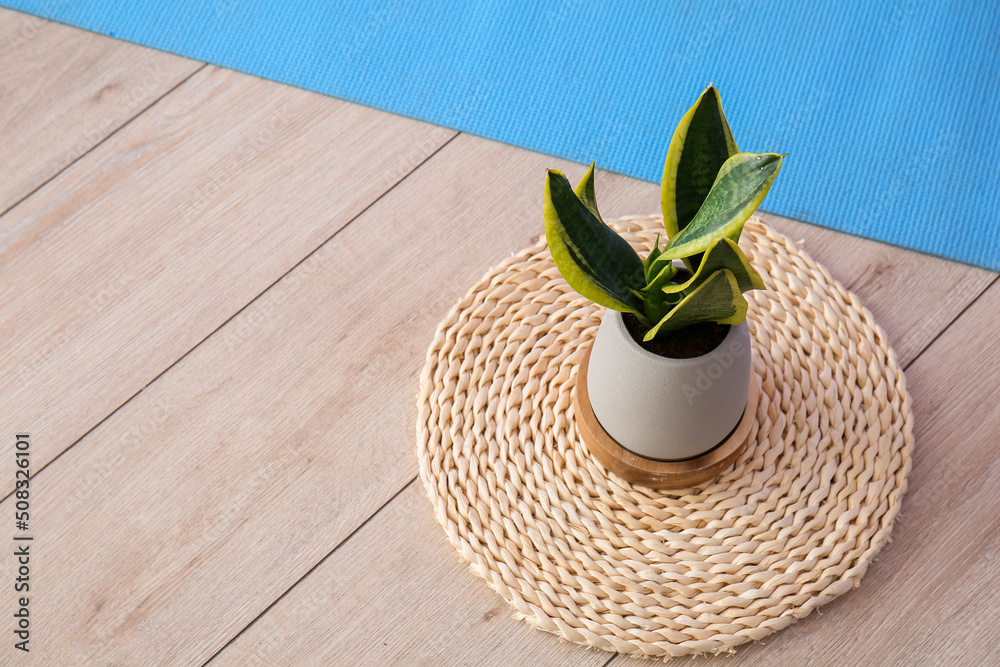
(647, 472)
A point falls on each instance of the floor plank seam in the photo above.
(312, 569)
(102, 141)
(240, 310)
(940, 333)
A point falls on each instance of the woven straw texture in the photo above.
(581, 553)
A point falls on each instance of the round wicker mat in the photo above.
(581, 553)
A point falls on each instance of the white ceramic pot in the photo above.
(667, 409)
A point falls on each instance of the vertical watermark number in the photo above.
(22, 541)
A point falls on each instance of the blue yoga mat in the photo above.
(889, 111)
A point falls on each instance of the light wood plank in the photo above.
(223, 482)
(347, 611)
(135, 253)
(64, 90)
(912, 296)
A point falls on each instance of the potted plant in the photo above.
(668, 375)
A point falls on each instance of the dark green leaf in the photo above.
(592, 257)
(700, 146)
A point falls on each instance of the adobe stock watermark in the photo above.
(315, 270)
(317, 594)
(136, 437)
(272, 302)
(313, 601)
(897, 16)
(377, 21)
(699, 41)
(23, 541)
(246, 153)
(888, 198)
(710, 374)
(216, 525)
(226, 7)
(92, 304)
(125, 107)
(27, 30)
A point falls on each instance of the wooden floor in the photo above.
(217, 293)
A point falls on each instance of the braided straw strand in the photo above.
(581, 553)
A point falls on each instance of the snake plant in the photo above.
(709, 190)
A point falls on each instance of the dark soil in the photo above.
(692, 341)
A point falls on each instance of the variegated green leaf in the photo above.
(724, 254)
(585, 191)
(648, 263)
(700, 146)
(655, 300)
(594, 260)
(657, 283)
(718, 299)
(738, 190)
